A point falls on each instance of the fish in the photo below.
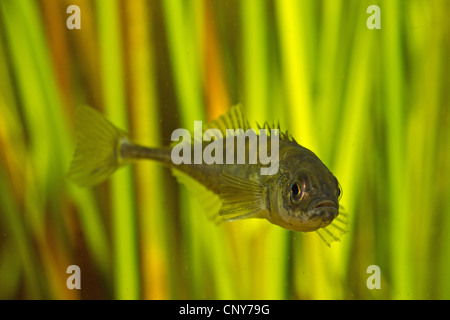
(302, 195)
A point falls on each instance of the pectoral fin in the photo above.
(238, 198)
(241, 198)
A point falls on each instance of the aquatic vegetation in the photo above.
(371, 103)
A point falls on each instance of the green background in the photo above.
(372, 104)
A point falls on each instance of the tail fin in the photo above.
(97, 153)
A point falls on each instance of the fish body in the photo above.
(301, 195)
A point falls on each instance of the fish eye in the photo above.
(296, 191)
(339, 192)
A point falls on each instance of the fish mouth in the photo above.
(324, 211)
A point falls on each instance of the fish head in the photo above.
(308, 196)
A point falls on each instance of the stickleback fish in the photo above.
(303, 195)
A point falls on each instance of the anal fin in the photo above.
(209, 201)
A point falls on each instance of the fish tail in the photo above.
(97, 153)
